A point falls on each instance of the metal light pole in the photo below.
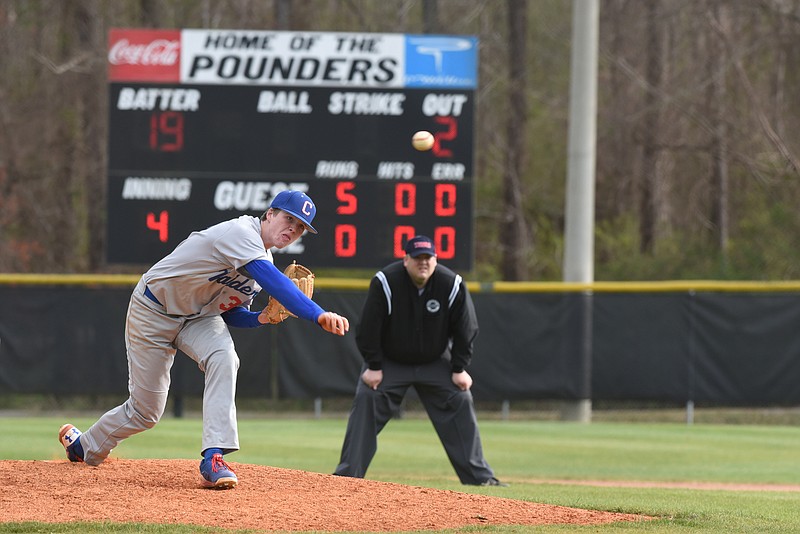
(579, 228)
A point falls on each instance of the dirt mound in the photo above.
(267, 498)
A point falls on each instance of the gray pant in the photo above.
(451, 411)
(152, 339)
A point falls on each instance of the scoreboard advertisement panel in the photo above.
(207, 125)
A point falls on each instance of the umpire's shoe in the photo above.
(216, 473)
(494, 482)
(70, 438)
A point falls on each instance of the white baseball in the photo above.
(422, 140)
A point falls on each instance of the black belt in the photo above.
(149, 294)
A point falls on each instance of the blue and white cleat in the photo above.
(69, 436)
(217, 474)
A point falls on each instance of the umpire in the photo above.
(417, 329)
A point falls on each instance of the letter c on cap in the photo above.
(307, 208)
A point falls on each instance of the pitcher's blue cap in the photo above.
(298, 204)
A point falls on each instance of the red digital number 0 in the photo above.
(401, 235)
(445, 200)
(444, 237)
(405, 199)
(345, 240)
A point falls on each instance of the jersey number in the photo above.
(235, 301)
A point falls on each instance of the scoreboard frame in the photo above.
(207, 125)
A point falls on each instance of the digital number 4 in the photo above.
(160, 224)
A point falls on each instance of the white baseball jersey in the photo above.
(200, 278)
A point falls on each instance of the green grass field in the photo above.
(522, 453)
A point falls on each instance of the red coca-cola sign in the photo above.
(144, 55)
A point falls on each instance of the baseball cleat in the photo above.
(217, 474)
(494, 482)
(69, 436)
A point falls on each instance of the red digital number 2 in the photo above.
(448, 135)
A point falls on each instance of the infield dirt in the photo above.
(267, 499)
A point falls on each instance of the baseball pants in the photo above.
(152, 339)
(451, 411)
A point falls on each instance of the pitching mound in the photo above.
(267, 498)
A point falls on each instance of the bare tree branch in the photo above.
(80, 63)
(752, 96)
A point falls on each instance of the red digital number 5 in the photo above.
(346, 235)
(348, 202)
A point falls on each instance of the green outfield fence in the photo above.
(722, 342)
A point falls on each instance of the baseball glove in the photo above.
(303, 278)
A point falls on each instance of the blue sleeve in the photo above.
(279, 286)
(241, 317)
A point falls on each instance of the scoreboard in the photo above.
(207, 125)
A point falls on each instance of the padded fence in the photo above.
(726, 343)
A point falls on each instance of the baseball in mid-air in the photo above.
(422, 140)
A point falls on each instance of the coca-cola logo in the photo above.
(159, 52)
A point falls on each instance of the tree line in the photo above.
(697, 142)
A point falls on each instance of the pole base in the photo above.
(577, 410)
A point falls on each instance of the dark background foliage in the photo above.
(697, 141)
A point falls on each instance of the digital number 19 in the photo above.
(166, 131)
